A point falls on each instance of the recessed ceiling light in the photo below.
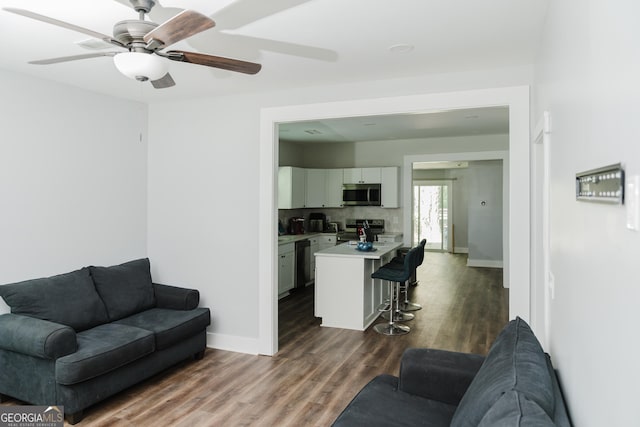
(401, 48)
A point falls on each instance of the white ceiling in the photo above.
(298, 42)
(463, 122)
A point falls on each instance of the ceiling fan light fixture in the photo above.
(141, 66)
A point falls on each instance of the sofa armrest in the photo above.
(176, 298)
(438, 374)
(36, 337)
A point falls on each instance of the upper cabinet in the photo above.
(390, 189)
(362, 176)
(324, 188)
(316, 188)
(334, 188)
(291, 187)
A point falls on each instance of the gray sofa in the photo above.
(77, 338)
(515, 385)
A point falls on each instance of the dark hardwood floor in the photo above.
(317, 370)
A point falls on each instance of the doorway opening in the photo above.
(432, 205)
(517, 260)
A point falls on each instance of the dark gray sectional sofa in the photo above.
(515, 385)
(77, 338)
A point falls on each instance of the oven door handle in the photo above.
(369, 195)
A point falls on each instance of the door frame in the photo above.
(516, 98)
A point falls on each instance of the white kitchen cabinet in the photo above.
(389, 188)
(286, 267)
(390, 237)
(334, 179)
(291, 187)
(316, 188)
(327, 241)
(361, 176)
(323, 188)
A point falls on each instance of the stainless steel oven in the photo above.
(361, 195)
(376, 226)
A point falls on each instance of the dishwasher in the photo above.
(303, 268)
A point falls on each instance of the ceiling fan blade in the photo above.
(214, 61)
(166, 81)
(185, 24)
(63, 24)
(72, 58)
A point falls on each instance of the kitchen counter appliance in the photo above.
(317, 222)
(302, 266)
(296, 225)
(361, 195)
(352, 226)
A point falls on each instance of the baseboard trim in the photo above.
(485, 263)
(233, 343)
(460, 250)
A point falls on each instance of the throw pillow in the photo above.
(69, 299)
(126, 288)
(513, 409)
(515, 361)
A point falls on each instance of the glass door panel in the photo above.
(431, 210)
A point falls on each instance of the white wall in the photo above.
(73, 176)
(204, 188)
(588, 79)
(485, 213)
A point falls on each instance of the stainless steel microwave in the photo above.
(361, 195)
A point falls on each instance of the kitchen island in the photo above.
(345, 294)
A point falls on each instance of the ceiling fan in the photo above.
(144, 41)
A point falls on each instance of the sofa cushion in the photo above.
(69, 299)
(169, 326)
(513, 409)
(126, 288)
(381, 404)
(438, 374)
(515, 362)
(103, 349)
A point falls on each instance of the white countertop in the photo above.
(290, 238)
(348, 250)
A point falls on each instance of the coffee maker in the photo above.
(317, 222)
(296, 225)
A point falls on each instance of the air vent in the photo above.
(313, 132)
(94, 44)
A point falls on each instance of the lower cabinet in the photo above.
(286, 267)
(326, 241)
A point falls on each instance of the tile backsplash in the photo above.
(392, 217)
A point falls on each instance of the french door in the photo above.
(432, 213)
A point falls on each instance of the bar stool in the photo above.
(395, 277)
(408, 305)
(397, 262)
